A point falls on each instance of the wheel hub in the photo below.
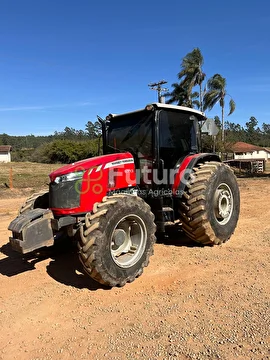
(128, 240)
(223, 203)
(119, 237)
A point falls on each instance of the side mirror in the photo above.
(209, 127)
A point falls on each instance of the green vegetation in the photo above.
(65, 151)
(250, 133)
(190, 75)
(216, 93)
(25, 175)
(63, 147)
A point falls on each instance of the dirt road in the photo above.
(191, 302)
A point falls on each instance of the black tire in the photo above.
(210, 205)
(117, 239)
(36, 200)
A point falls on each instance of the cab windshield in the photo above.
(132, 132)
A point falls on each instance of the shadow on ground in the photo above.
(253, 176)
(176, 237)
(64, 266)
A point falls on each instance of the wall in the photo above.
(5, 157)
(253, 155)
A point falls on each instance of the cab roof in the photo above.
(165, 106)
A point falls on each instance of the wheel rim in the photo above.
(128, 241)
(223, 204)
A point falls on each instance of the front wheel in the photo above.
(36, 200)
(210, 206)
(117, 239)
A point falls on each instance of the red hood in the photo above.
(88, 163)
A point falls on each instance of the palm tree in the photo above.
(216, 92)
(181, 97)
(192, 74)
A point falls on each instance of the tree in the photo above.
(5, 139)
(217, 121)
(252, 131)
(265, 135)
(234, 132)
(216, 92)
(266, 128)
(65, 151)
(93, 130)
(192, 74)
(180, 96)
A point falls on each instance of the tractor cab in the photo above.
(159, 137)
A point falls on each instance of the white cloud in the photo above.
(22, 108)
(44, 107)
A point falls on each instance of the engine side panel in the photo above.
(110, 173)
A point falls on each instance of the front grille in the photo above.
(65, 195)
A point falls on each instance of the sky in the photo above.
(62, 62)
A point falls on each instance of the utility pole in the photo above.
(157, 87)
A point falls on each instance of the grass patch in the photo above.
(26, 175)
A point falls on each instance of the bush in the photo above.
(65, 151)
(22, 155)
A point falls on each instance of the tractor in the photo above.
(152, 175)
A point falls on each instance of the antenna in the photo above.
(157, 87)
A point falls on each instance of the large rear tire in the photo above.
(36, 200)
(117, 239)
(210, 205)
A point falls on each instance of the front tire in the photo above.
(36, 200)
(209, 208)
(117, 239)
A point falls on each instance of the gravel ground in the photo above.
(191, 302)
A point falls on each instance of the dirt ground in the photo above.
(191, 302)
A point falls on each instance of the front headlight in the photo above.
(77, 175)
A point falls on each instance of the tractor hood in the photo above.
(106, 161)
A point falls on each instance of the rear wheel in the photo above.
(210, 205)
(117, 239)
(37, 200)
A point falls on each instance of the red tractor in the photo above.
(151, 175)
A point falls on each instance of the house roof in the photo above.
(5, 148)
(245, 147)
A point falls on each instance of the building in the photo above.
(242, 150)
(249, 158)
(5, 153)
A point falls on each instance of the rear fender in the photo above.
(185, 169)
